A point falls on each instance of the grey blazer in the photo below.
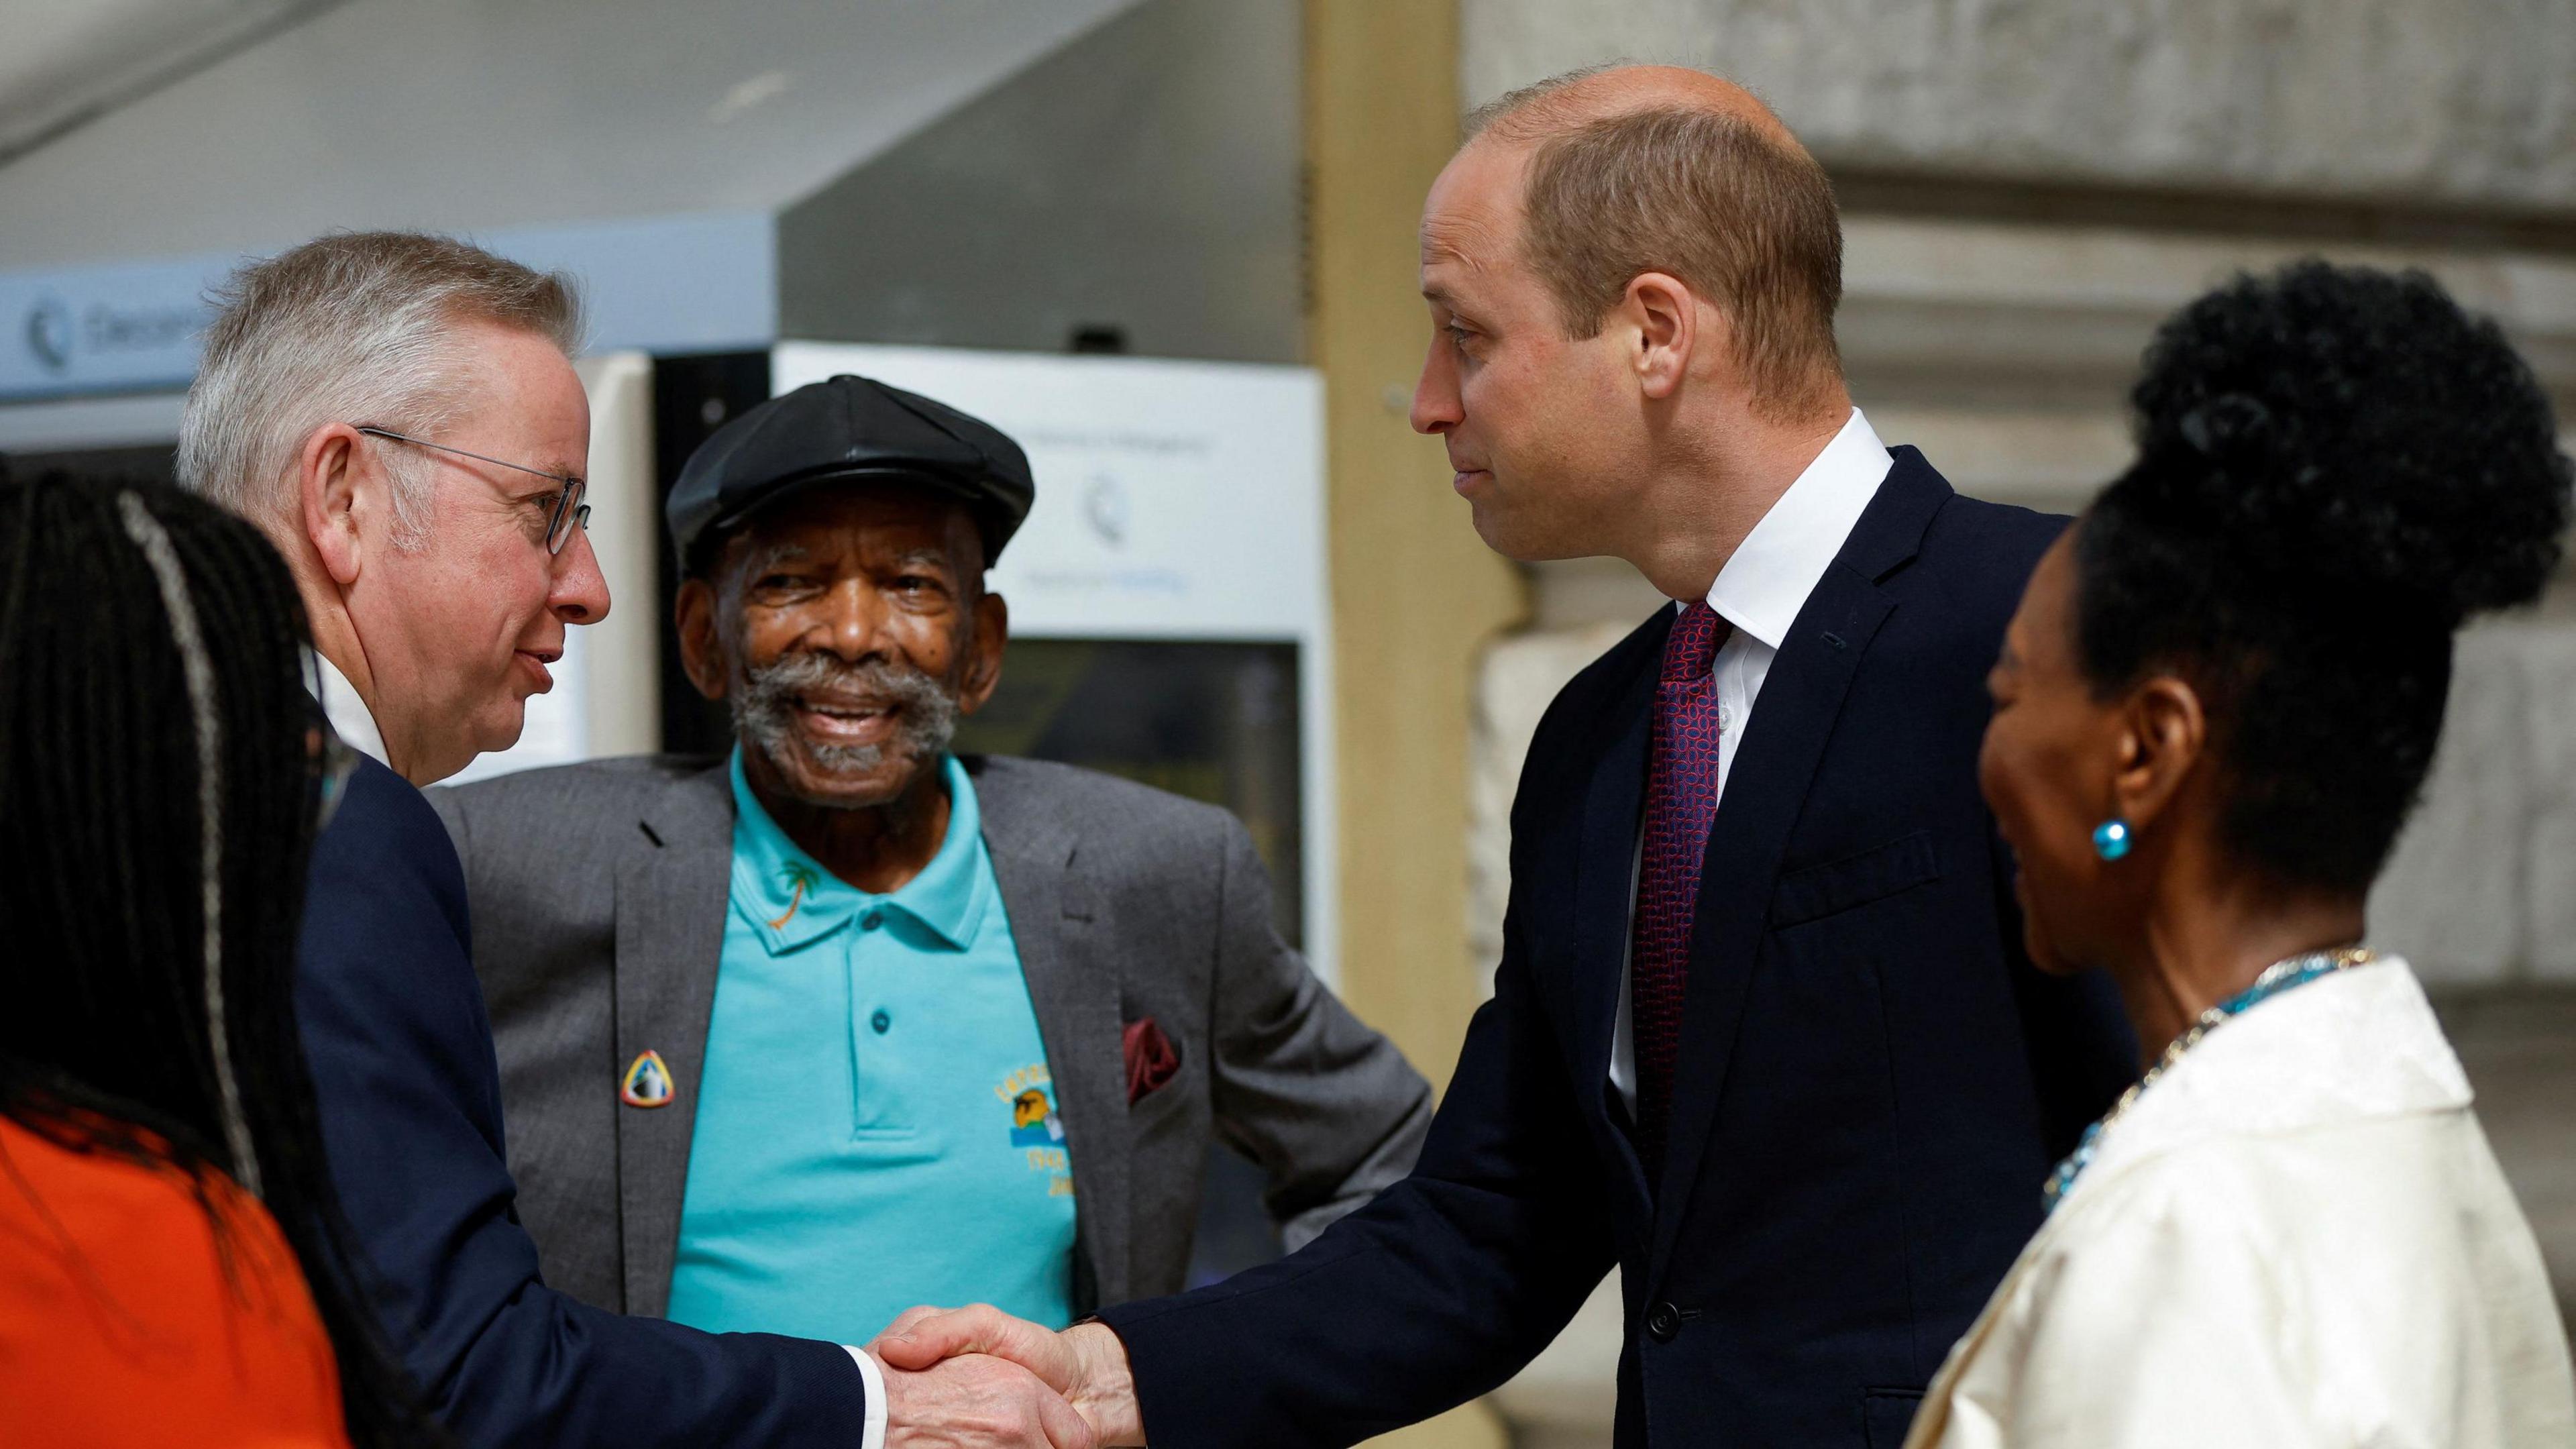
(598, 893)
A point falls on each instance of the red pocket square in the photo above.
(1152, 1060)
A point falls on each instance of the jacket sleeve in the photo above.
(410, 1101)
(1436, 1291)
(1329, 1108)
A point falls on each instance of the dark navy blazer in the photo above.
(410, 1097)
(1872, 1083)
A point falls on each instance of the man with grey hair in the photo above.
(400, 414)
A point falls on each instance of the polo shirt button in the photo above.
(871, 920)
(881, 1021)
(1663, 1321)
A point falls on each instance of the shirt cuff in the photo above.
(872, 1435)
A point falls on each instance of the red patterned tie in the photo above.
(1681, 801)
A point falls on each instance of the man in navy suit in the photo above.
(1763, 1035)
(399, 414)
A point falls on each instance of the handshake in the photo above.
(977, 1378)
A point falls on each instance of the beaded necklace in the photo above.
(2278, 977)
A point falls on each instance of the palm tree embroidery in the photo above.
(800, 875)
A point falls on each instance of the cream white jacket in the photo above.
(2297, 1237)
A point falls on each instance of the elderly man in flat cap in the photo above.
(846, 1022)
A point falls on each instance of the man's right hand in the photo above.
(1086, 1363)
(974, 1401)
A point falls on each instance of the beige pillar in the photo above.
(1414, 591)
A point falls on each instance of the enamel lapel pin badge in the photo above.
(647, 1084)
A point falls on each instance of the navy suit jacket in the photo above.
(1872, 1080)
(410, 1097)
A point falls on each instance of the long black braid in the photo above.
(106, 1042)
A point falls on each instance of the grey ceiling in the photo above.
(67, 61)
(232, 126)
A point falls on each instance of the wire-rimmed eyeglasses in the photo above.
(569, 511)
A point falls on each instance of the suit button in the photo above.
(1663, 1320)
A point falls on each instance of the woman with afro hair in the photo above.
(2213, 712)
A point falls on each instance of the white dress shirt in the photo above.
(1759, 592)
(346, 709)
(872, 1433)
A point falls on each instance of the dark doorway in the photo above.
(1214, 722)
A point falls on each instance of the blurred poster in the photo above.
(1175, 499)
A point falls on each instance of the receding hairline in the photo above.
(1565, 103)
(353, 326)
(1628, 169)
(1530, 120)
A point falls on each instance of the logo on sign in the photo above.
(49, 333)
(1104, 507)
(59, 333)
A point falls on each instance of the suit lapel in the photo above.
(1050, 905)
(673, 886)
(1782, 748)
(1605, 886)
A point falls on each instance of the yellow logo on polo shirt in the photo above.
(1029, 1110)
(1035, 1127)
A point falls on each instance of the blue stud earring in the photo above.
(2111, 839)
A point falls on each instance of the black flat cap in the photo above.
(854, 429)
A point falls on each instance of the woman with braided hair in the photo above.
(173, 1263)
(2213, 711)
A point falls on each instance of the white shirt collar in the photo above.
(347, 709)
(1766, 583)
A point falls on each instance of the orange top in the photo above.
(126, 1321)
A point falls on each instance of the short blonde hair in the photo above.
(354, 327)
(1737, 211)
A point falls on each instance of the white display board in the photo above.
(1175, 501)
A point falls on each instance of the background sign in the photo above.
(662, 284)
(1176, 500)
(104, 329)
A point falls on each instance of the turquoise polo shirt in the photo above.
(876, 1124)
